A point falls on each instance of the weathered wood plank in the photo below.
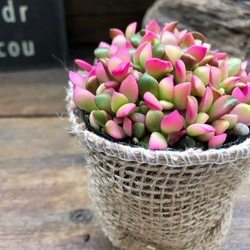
(43, 181)
(39, 92)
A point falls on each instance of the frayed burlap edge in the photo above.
(161, 199)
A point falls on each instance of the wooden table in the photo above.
(44, 200)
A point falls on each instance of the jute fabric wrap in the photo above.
(148, 199)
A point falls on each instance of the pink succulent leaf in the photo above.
(138, 53)
(246, 92)
(137, 117)
(113, 62)
(221, 125)
(188, 40)
(118, 120)
(113, 48)
(203, 72)
(224, 71)
(103, 102)
(215, 77)
(91, 73)
(92, 121)
(123, 54)
(201, 117)
(205, 137)
(77, 79)
(114, 130)
(157, 141)
(148, 83)
(233, 66)
(125, 110)
(239, 95)
(92, 84)
(120, 40)
(166, 88)
(153, 120)
(103, 44)
(84, 99)
(182, 34)
(169, 27)
(216, 140)
(127, 126)
(217, 93)
(129, 45)
(173, 122)
(243, 112)
(198, 87)
(231, 118)
(129, 88)
(101, 72)
(198, 36)
(117, 101)
(101, 117)
(207, 100)
(151, 101)
(153, 27)
(197, 129)
(166, 105)
(130, 30)
(120, 71)
(191, 109)
(157, 67)
(175, 137)
(188, 60)
(149, 37)
(180, 71)
(146, 54)
(223, 105)
(197, 51)
(181, 92)
(229, 81)
(100, 89)
(168, 38)
(115, 32)
(243, 77)
(138, 130)
(109, 91)
(173, 53)
(206, 60)
(221, 55)
(111, 84)
(207, 45)
(84, 65)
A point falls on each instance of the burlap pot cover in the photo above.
(148, 199)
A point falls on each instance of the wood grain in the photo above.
(42, 180)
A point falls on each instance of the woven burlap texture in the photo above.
(148, 199)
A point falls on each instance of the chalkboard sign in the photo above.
(32, 33)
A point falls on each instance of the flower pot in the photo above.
(167, 199)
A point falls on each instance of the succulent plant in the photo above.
(161, 87)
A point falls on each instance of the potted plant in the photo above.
(164, 124)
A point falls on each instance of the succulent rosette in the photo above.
(162, 87)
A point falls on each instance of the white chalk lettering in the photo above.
(28, 48)
(14, 49)
(22, 11)
(8, 12)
